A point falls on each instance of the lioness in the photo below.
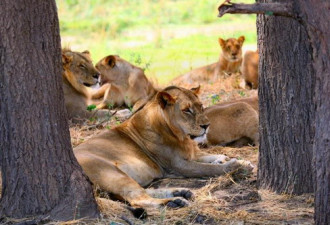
(126, 84)
(155, 142)
(250, 69)
(78, 75)
(232, 123)
(229, 62)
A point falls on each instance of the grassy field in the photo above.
(165, 37)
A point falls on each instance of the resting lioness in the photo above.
(125, 84)
(229, 62)
(154, 143)
(78, 75)
(232, 123)
(250, 69)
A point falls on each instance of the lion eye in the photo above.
(187, 110)
(82, 66)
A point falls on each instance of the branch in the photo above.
(276, 9)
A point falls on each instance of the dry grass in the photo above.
(223, 200)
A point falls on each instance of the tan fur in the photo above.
(229, 62)
(78, 71)
(154, 143)
(125, 84)
(232, 121)
(250, 69)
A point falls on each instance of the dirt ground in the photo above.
(222, 200)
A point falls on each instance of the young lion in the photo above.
(232, 123)
(229, 62)
(126, 84)
(78, 75)
(250, 69)
(154, 143)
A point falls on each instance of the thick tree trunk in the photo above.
(39, 171)
(286, 90)
(316, 18)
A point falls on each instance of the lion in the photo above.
(155, 142)
(234, 123)
(250, 69)
(125, 84)
(229, 62)
(79, 75)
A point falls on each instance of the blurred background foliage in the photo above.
(164, 37)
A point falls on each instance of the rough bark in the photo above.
(39, 171)
(316, 18)
(286, 90)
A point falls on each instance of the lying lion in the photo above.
(229, 62)
(232, 123)
(79, 75)
(154, 143)
(125, 84)
(250, 69)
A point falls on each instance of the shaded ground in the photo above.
(222, 200)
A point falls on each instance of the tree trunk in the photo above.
(286, 93)
(315, 16)
(40, 175)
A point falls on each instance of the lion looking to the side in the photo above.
(78, 75)
(155, 142)
(125, 84)
(229, 62)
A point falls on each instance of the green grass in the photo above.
(165, 37)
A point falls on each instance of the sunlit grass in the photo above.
(166, 38)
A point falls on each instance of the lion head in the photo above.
(183, 111)
(116, 70)
(232, 48)
(79, 69)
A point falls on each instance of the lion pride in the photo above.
(229, 62)
(155, 142)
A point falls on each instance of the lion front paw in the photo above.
(221, 159)
(235, 164)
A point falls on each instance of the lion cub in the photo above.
(250, 69)
(229, 62)
(124, 83)
(155, 142)
(232, 123)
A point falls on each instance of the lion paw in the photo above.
(221, 159)
(177, 203)
(235, 164)
(185, 193)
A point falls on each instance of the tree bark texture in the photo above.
(316, 18)
(286, 92)
(40, 175)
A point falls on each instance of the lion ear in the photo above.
(196, 90)
(66, 58)
(110, 60)
(241, 39)
(87, 54)
(222, 42)
(165, 99)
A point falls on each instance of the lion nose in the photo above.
(96, 76)
(205, 126)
